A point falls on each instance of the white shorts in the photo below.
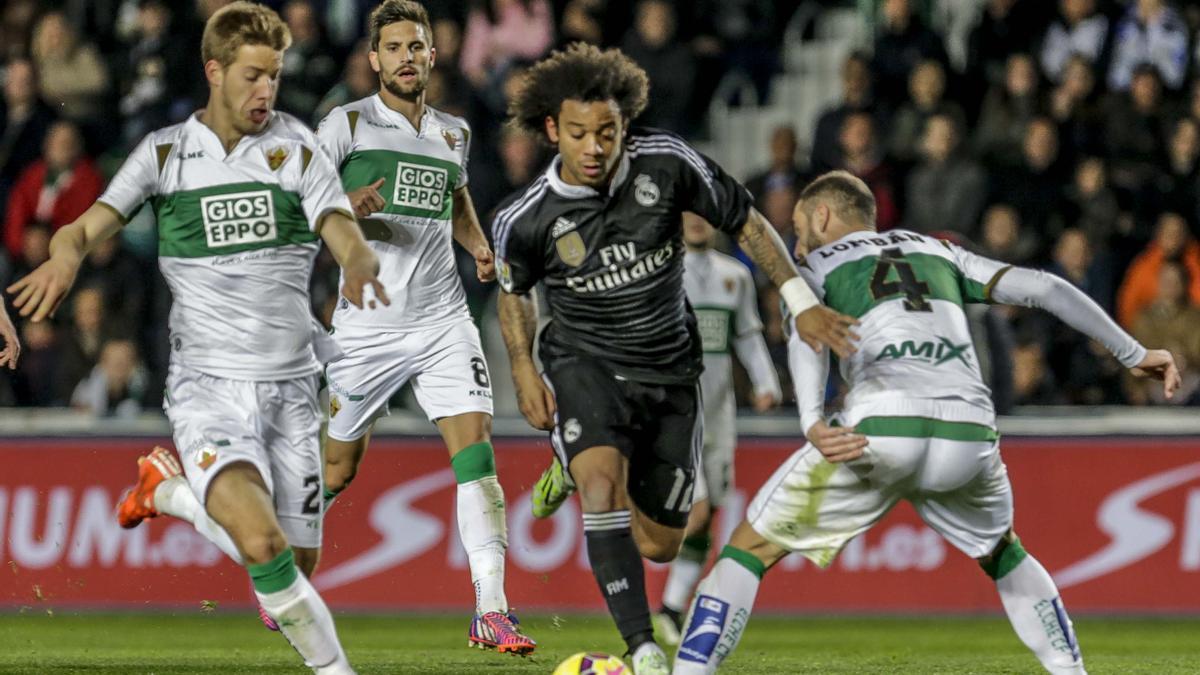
(274, 426)
(716, 455)
(959, 488)
(445, 363)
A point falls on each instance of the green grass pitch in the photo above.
(229, 642)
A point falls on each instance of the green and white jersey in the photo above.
(412, 235)
(236, 241)
(722, 294)
(908, 291)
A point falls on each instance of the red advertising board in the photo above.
(1116, 521)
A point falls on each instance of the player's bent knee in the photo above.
(659, 551)
(598, 492)
(341, 463)
(260, 548)
(1007, 554)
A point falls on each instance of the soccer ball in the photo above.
(592, 663)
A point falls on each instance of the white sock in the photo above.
(484, 535)
(718, 615)
(1038, 616)
(306, 622)
(683, 576)
(174, 497)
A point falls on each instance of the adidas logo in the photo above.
(561, 227)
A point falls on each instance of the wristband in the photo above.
(797, 296)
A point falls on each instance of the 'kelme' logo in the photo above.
(420, 187)
(242, 218)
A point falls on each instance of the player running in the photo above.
(722, 294)
(405, 166)
(601, 230)
(243, 195)
(918, 422)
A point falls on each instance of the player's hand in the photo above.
(1160, 365)
(12, 344)
(367, 200)
(363, 273)
(485, 263)
(818, 325)
(837, 444)
(534, 398)
(764, 402)
(40, 292)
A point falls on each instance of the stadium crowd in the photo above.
(1069, 140)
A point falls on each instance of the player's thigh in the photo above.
(975, 516)
(716, 455)
(592, 410)
(464, 430)
(450, 375)
(662, 468)
(600, 473)
(294, 450)
(374, 366)
(814, 508)
(213, 422)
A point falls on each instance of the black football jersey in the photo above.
(612, 264)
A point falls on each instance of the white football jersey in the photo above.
(722, 294)
(236, 241)
(412, 235)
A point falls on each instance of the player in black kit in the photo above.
(601, 229)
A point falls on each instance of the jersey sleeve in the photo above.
(466, 153)
(136, 180)
(746, 320)
(334, 135)
(518, 258)
(977, 275)
(710, 192)
(321, 189)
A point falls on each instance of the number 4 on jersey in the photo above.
(905, 281)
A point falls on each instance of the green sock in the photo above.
(745, 559)
(1011, 556)
(274, 576)
(474, 462)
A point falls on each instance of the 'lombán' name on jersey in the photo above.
(908, 291)
(412, 234)
(236, 230)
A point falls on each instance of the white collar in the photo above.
(397, 115)
(569, 191)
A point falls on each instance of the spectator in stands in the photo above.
(309, 68)
(116, 387)
(902, 43)
(1006, 27)
(926, 87)
(149, 73)
(783, 171)
(581, 22)
(1075, 106)
(1003, 237)
(500, 31)
(1177, 185)
(1091, 205)
(16, 22)
(946, 190)
(1173, 321)
(117, 274)
(80, 346)
(862, 156)
(1034, 186)
(520, 156)
(1173, 242)
(1075, 261)
(1007, 111)
(1079, 30)
(1150, 32)
(71, 73)
(358, 81)
(35, 250)
(37, 378)
(24, 120)
(1136, 130)
(1032, 382)
(856, 97)
(54, 190)
(669, 64)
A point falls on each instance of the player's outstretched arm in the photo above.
(12, 343)
(815, 323)
(1159, 364)
(518, 324)
(810, 371)
(39, 293)
(469, 235)
(360, 267)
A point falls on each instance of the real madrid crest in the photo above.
(276, 157)
(644, 190)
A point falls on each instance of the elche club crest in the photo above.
(276, 157)
(645, 191)
(568, 243)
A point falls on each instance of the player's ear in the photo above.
(214, 73)
(551, 129)
(432, 56)
(373, 58)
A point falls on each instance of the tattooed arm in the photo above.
(518, 324)
(815, 325)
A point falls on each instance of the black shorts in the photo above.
(657, 427)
